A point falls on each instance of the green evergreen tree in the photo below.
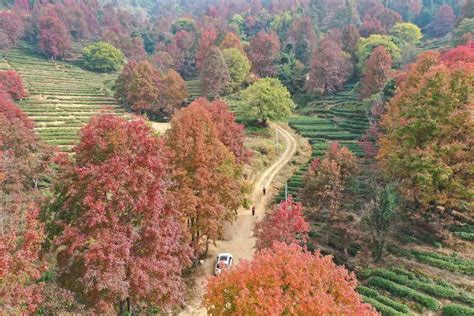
(102, 57)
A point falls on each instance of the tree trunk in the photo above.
(129, 306)
(379, 249)
(207, 246)
(122, 308)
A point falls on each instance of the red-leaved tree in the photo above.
(183, 50)
(54, 38)
(12, 28)
(20, 262)
(132, 47)
(11, 83)
(426, 144)
(229, 132)
(231, 41)
(444, 22)
(205, 176)
(460, 56)
(324, 192)
(325, 179)
(330, 68)
(284, 223)
(378, 19)
(285, 279)
(208, 37)
(119, 241)
(376, 71)
(214, 74)
(139, 85)
(146, 90)
(23, 161)
(78, 19)
(264, 52)
(173, 93)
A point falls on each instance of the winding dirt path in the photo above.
(240, 242)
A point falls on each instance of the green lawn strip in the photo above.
(404, 291)
(464, 228)
(465, 235)
(374, 294)
(428, 286)
(454, 264)
(457, 310)
(382, 308)
(61, 142)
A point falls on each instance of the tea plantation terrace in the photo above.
(62, 96)
(338, 117)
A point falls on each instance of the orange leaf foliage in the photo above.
(205, 175)
(231, 41)
(285, 280)
(428, 140)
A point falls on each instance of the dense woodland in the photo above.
(101, 214)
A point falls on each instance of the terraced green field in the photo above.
(194, 90)
(397, 291)
(62, 96)
(465, 232)
(337, 117)
(416, 285)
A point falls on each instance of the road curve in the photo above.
(241, 242)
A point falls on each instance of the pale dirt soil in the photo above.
(160, 127)
(239, 240)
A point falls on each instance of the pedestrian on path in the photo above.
(264, 191)
(253, 210)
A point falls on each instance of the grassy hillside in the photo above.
(62, 96)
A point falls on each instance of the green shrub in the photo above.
(368, 292)
(102, 57)
(407, 32)
(440, 289)
(403, 291)
(452, 263)
(367, 45)
(383, 309)
(465, 235)
(449, 263)
(457, 310)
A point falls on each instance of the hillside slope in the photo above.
(334, 118)
(62, 96)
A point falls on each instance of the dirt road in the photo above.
(240, 242)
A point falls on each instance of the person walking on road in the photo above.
(264, 191)
(253, 210)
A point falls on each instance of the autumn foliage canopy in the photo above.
(147, 89)
(284, 223)
(117, 236)
(326, 178)
(376, 71)
(205, 169)
(23, 160)
(54, 38)
(429, 134)
(12, 84)
(285, 279)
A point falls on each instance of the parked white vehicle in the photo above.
(223, 262)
